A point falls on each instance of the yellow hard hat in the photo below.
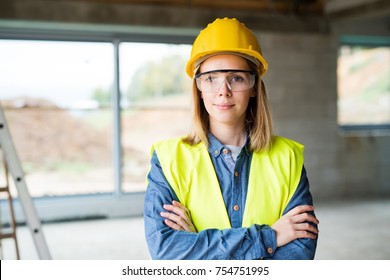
(226, 36)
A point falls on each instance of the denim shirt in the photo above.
(236, 243)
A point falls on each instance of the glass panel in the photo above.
(61, 126)
(363, 85)
(156, 94)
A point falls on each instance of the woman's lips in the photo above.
(224, 107)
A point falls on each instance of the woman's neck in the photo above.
(229, 135)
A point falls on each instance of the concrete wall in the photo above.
(301, 82)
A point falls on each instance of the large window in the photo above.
(58, 100)
(84, 106)
(155, 101)
(60, 121)
(364, 84)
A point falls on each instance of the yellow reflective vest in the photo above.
(273, 178)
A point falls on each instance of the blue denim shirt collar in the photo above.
(215, 146)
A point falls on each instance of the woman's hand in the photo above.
(178, 217)
(295, 224)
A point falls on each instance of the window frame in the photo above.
(108, 205)
(363, 129)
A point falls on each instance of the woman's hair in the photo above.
(257, 121)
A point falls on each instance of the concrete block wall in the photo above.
(302, 88)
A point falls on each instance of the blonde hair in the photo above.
(257, 121)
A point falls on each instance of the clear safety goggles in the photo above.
(236, 80)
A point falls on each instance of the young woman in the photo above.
(230, 189)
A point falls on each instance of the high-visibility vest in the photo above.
(273, 178)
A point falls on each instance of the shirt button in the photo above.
(225, 151)
(269, 250)
(236, 173)
(236, 207)
(216, 152)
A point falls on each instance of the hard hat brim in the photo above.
(193, 64)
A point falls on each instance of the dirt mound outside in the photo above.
(43, 133)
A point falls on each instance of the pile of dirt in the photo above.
(44, 133)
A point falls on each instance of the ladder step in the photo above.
(7, 235)
(4, 189)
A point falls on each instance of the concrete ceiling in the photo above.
(264, 6)
(334, 8)
(316, 16)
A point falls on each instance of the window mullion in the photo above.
(117, 143)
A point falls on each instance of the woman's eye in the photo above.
(209, 79)
(236, 79)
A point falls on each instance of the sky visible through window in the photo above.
(64, 73)
(67, 73)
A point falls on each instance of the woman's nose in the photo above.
(225, 88)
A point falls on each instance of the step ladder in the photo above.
(11, 232)
(13, 164)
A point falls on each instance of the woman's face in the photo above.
(226, 94)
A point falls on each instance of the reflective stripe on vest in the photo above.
(273, 178)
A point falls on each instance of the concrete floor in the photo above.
(353, 230)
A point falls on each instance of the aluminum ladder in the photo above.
(13, 164)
